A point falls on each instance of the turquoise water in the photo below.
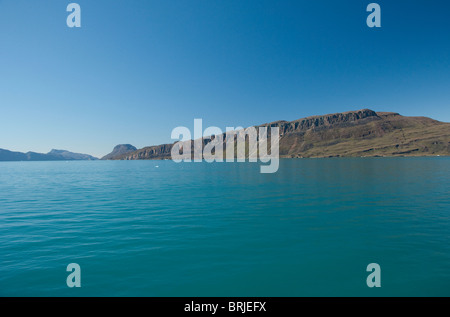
(224, 229)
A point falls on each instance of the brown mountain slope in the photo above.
(353, 133)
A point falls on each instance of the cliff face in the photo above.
(353, 133)
(327, 121)
(383, 134)
(148, 153)
(118, 150)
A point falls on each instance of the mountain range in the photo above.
(348, 134)
(53, 155)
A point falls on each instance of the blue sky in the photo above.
(137, 69)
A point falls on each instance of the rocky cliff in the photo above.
(119, 150)
(353, 133)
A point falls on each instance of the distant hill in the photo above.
(53, 155)
(72, 156)
(348, 134)
(118, 150)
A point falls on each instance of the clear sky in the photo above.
(136, 69)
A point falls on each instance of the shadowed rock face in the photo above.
(353, 133)
(119, 150)
(326, 121)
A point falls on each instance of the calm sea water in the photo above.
(224, 229)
